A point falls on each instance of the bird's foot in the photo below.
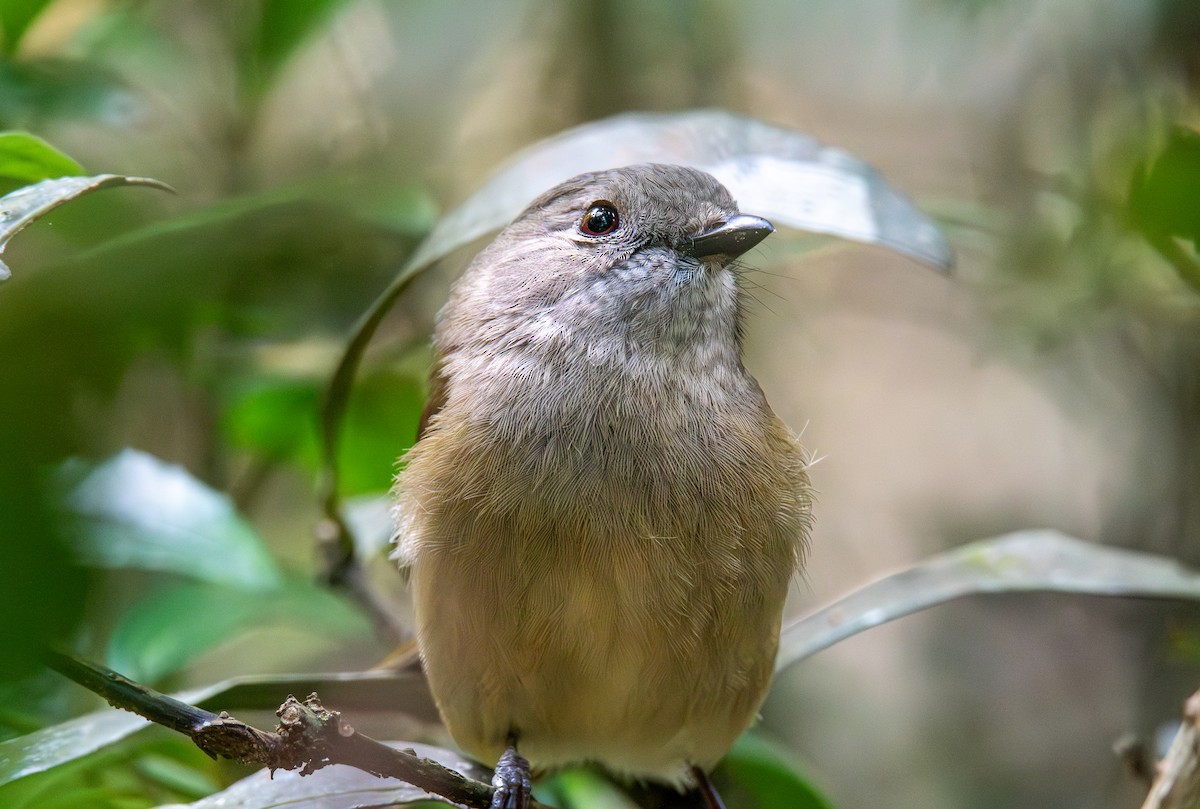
(708, 792)
(511, 781)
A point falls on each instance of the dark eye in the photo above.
(601, 218)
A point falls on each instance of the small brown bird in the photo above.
(602, 513)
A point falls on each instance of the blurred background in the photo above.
(1052, 381)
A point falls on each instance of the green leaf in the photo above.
(135, 511)
(44, 590)
(1165, 197)
(25, 158)
(170, 628)
(382, 420)
(277, 418)
(758, 774)
(140, 773)
(285, 25)
(26, 204)
(271, 31)
(582, 788)
(1021, 562)
(15, 19)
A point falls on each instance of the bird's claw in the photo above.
(511, 781)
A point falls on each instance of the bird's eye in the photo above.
(601, 219)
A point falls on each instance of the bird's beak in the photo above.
(730, 237)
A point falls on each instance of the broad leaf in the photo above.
(1021, 562)
(786, 176)
(135, 511)
(26, 204)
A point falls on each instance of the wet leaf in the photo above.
(135, 511)
(1021, 562)
(26, 204)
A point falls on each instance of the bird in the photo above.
(602, 514)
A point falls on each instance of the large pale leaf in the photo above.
(786, 176)
(365, 691)
(135, 511)
(1021, 562)
(26, 204)
(334, 787)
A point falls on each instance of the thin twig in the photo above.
(1178, 782)
(308, 738)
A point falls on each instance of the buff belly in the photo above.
(603, 654)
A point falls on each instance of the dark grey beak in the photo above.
(732, 237)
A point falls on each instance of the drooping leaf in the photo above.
(71, 740)
(757, 774)
(786, 176)
(1021, 562)
(135, 511)
(25, 158)
(26, 204)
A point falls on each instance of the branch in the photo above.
(1178, 782)
(309, 736)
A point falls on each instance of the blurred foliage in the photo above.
(201, 329)
(26, 159)
(150, 771)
